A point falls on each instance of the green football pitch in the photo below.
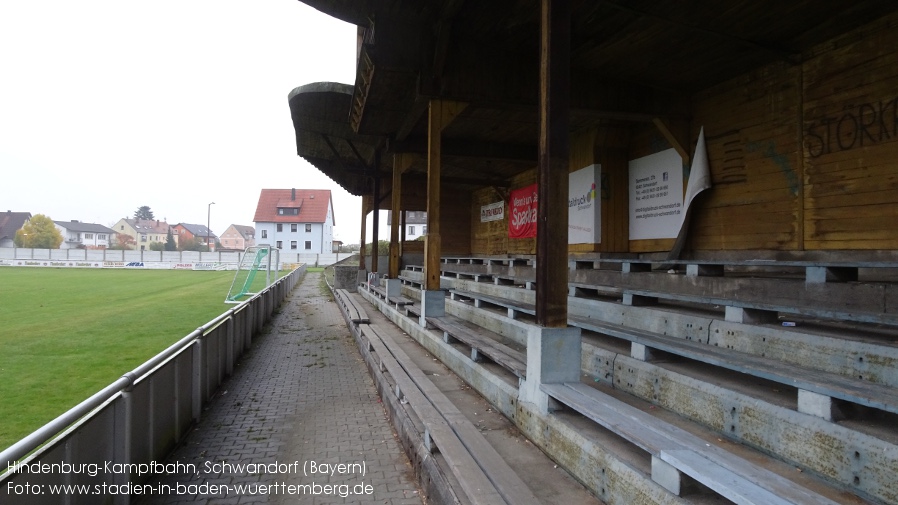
(67, 333)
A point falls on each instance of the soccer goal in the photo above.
(257, 269)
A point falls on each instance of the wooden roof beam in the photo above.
(469, 149)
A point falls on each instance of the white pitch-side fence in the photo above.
(104, 443)
(108, 258)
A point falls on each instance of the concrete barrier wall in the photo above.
(110, 255)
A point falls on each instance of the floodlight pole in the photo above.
(208, 222)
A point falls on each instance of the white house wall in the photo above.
(266, 233)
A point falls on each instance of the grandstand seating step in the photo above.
(729, 475)
(482, 472)
(825, 383)
(474, 337)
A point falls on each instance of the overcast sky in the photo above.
(108, 105)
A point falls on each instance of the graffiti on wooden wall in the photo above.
(865, 125)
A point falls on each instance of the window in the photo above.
(101, 236)
(292, 244)
(281, 212)
(88, 236)
(279, 244)
(308, 245)
(264, 233)
(293, 227)
(308, 228)
(280, 227)
(411, 230)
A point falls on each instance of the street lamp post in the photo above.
(208, 223)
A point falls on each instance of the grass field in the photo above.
(67, 333)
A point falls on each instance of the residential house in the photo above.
(78, 235)
(187, 231)
(10, 223)
(296, 220)
(143, 231)
(414, 223)
(238, 237)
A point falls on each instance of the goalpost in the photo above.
(254, 259)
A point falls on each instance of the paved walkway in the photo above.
(302, 415)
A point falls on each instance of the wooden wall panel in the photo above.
(754, 152)
(455, 227)
(802, 157)
(612, 151)
(850, 124)
(490, 238)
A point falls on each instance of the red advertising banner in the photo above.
(522, 222)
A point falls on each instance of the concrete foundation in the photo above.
(749, 316)
(818, 405)
(553, 356)
(667, 476)
(394, 287)
(433, 304)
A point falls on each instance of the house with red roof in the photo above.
(296, 220)
(188, 231)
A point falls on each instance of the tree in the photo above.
(39, 232)
(123, 242)
(144, 212)
(383, 247)
(192, 244)
(170, 242)
(157, 246)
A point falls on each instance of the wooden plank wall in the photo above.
(455, 211)
(802, 157)
(490, 238)
(851, 141)
(754, 153)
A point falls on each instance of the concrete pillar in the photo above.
(394, 287)
(553, 356)
(821, 275)
(666, 476)
(818, 405)
(638, 300)
(433, 304)
(640, 352)
(749, 316)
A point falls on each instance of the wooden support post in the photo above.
(375, 227)
(554, 133)
(363, 274)
(432, 245)
(441, 113)
(401, 163)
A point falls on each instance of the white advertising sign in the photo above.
(492, 212)
(656, 196)
(584, 210)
